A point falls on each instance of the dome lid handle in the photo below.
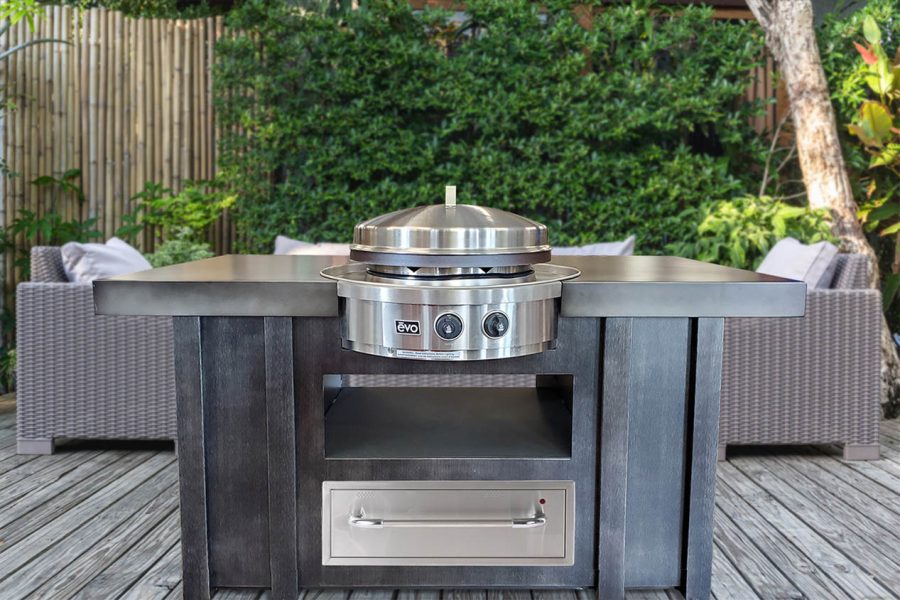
(450, 195)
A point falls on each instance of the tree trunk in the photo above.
(791, 39)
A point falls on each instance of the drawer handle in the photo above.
(538, 520)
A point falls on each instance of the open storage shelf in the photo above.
(416, 422)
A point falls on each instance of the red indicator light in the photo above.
(542, 501)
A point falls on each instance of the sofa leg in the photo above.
(861, 452)
(720, 455)
(33, 446)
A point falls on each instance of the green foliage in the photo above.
(157, 9)
(857, 52)
(845, 71)
(67, 183)
(739, 232)
(16, 10)
(601, 133)
(877, 127)
(187, 214)
(31, 228)
(176, 251)
(183, 216)
(866, 77)
(8, 363)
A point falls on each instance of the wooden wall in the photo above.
(125, 100)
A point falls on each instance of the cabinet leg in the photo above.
(861, 452)
(33, 446)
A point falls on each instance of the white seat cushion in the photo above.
(286, 245)
(86, 262)
(813, 263)
(623, 248)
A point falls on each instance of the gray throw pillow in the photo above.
(84, 263)
(286, 245)
(813, 263)
(623, 248)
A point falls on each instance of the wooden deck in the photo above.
(101, 521)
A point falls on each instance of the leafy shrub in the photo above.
(599, 132)
(848, 44)
(164, 9)
(180, 220)
(739, 232)
(182, 216)
(30, 228)
(187, 214)
(176, 251)
(845, 72)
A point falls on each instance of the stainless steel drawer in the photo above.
(448, 523)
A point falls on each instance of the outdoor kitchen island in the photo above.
(587, 463)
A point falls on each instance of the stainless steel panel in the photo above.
(437, 523)
(354, 281)
(624, 286)
(372, 328)
(444, 230)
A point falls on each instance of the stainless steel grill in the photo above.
(449, 282)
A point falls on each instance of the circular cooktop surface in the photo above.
(362, 274)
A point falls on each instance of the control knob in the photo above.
(496, 324)
(448, 326)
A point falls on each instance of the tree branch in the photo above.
(765, 178)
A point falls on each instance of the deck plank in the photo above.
(856, 489)
(727, 582)
(872, 470)
(119, 558)
(160, 579)
(15, 507)
(515, 595)
(14, 555)
(853, 580)
(885, 518)
(237, 594)
(9, 461)
(72, 549)
(35, 474)
(28, 514)
(756, 567)
(177, 592)
(96, 521)
(417, 595)
(848, 530)
(878, 493)
(776, 546)
(326, 594)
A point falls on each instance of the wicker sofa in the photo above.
(81, 375)
(804, 380)
(808, 380)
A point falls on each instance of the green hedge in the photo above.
(599, 133)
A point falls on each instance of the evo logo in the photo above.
(407, 327)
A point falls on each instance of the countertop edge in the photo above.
(318, 298)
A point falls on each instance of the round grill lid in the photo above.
(450, 234)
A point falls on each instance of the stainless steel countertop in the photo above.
(609, 286)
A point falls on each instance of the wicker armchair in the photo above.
(81, 375)
(808, 380)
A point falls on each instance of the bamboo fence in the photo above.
(126, 101)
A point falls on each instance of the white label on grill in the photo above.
(428, 354)
(407, 327)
